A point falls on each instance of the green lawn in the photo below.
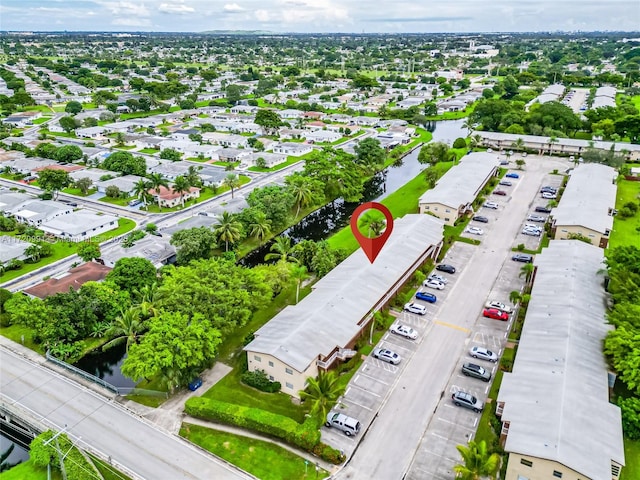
(631, 471)
(264, 460)
(280, 166)
(626, 231)
(401, 202)
(28, 470)
(18, 332)
(40, 120)
(121, 202)
(77, 192)
(149, 151)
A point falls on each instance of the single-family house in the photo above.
(126, 184)
(166, 197)
(270, 159)
(12, 248)
(37, 212)
(91, 132)
(233, 154)
(74, 278)
(157, 250)
(79, 226)
(10, 200)
(291, 149)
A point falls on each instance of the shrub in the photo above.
(630, 408)
(305, 435)
(258, 379)
(328, 453)
(520, 247)
(460, 143)
(625, 212)
(631, 206)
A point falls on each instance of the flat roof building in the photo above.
(587, 205)
(80, 225)
(458, 188)
(554, 406)
(323, 328)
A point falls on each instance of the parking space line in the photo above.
(451, 325)
(364, 389)
(429, 452)
(439, 436)
(372, 378)
(456, 424)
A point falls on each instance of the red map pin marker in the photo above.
(372, 246)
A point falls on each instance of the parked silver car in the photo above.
(350, 426)
(386, 355)
(464, 399)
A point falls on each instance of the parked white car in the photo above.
(499, 306)
(483, 354)
(404, 331)
(549, 195)
(492, 205)
(433, 284)
(415, 308)
(474, 230)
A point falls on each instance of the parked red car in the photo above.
(500, 192)
(495, 314)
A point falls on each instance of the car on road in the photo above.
(426, 297)
(498, 305)
(536, 218)
(464, 399)
(476, 371)
(135, 203)
(549, 196)
(512, 175)
(350, 426)
(415, 308)
(502, 193)
(483, 354)
(443, 267)
(543, 209)
(495, 314)
(531, 232)
(438, 278)
(506, 183)
(433, 284)
(474, 230)
(522, 257)
(404, 331)
(480, 218)
(492, 205)
(386, 356)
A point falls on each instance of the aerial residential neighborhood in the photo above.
(184, 294)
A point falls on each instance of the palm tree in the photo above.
(302, 193)
(126, 328)
(141, 191)
(33, 252)
(261, 227)
(468, 124)
(120, 138)
(298, 273)
(228, 229)
(527, 271)
(476, 140)
(323, 392)
(156, 180)
(282, 250)
(232, 181)
(373, 222)
(478, 463)
(181, 185)
(552, 140)
(148, 297)
(193, 177)
(518, 144)
(514, 296)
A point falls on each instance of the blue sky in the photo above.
(393, 16)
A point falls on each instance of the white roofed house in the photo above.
(293, 149)
(454, 193)
(37, 212)
(587, 205)
(323, 328)
(10, 200)
(126, 184)
(557, 418)
(320, 136)
(226, 139)
(91, 132)
(270, 159)
(79, 226)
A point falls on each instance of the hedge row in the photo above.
(304, 435)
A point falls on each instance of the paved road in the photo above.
(389, 446)
(107, 427)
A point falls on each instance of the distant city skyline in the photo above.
(320, 16)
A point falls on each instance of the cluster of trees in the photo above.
(622, 345)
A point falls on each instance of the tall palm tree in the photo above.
(478, 463)
(156, 180)
(181, 186)
(518, 144)
(323, 392)
(468, 124)
(476, 140)
(261, 227)
(228, 229)
(127, 327)
(527, 271)
(552, 140)
(147, 298)
(299, 274)
(514, 296)
(33, 252)
(281, 250)
(232, 181)
(373, 222)
(141, 191)
(193, 177)
(302, 193)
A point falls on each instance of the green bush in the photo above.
(305, 435)
(520, 247)
(630, 408)
(328, 453)
(258, 379)
(626, 212)
(460, 143)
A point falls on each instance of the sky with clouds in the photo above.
(304, 16)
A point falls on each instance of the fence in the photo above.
(82, 373)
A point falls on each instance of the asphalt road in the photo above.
(105, 425)
(391, 444)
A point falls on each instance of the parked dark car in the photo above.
(522, 257)
(476, 371)
(427, 297)
(543, 210)
(480, 218)
(195, 384)
(443, 267)
(502, 193)
(549, 189)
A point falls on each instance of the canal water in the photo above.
(20, 452)
(318, 225)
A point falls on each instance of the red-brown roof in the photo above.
(87, 272)
(66, 168)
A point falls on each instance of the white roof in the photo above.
(10, 200)
(556, 400)
(39, 209)
(329, 317)
(569, 142)
(77, 222)
(460, 185)
(588, 198)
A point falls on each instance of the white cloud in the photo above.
(233, 7)
(263, 16)
(131, 22)
(125, 8)
(312, 11)
(179, 8)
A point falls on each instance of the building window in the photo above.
(270, 363)
(289, 371)
(289, 385)
(257, 358)
(557, 474)
(447, 210)
(271, 378)
(525, 462)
